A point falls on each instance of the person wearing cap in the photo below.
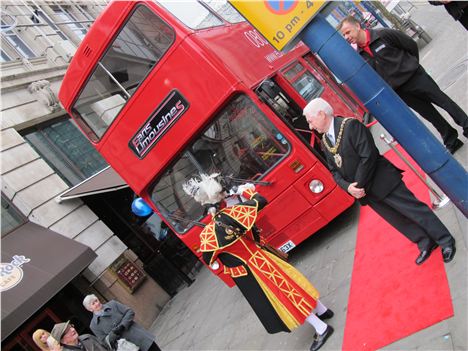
(65, 333)
(114, 321)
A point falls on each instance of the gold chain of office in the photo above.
(334, 149)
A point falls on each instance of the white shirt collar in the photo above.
(331, 131)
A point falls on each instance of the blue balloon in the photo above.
(141, 208)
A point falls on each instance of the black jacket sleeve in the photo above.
(344, 184)
(365, 148)
(401, 41)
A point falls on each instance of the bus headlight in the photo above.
(316, 186)
(215, 265)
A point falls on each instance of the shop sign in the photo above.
(11, 273)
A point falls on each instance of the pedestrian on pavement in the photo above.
(114, 321)
(457, 9)
(40, 339)
(395, 57)
(53, 344)
(280, 295)
(67, 337)
(359, 169)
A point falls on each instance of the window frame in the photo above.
(60, 10)
(87, 129)
(183, 153)
(64, 157)
(14, 45)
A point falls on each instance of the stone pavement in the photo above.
(210, 316)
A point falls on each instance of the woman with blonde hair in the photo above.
(40, 339)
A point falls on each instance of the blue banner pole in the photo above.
(388, 109)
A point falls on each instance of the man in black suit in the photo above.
(359, 169)
(395, 57)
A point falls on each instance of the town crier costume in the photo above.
(280, 295)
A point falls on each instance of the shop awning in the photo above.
(101, 182)
(36, 264)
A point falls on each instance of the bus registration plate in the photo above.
(288, 246)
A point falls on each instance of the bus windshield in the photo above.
(140, 44)
(240, 142)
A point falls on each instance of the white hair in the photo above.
(205, 189)
(313, 108)
(88, 300)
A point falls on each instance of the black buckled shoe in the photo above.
(320, 339)
(326, 315)
(448, 253)
(455, 146)
(424, 254)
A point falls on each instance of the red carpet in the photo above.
(390, 296)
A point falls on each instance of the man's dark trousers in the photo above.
(412, 218)
(419, 92)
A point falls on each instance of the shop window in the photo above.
(66, 150)
(19, 46)
(65, 15)
(4, 56)
(41, 16)
(11, 217)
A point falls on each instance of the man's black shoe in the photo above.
(320, 339)
(448, 253)
(326, 315)
(424, 254)
(455, 146)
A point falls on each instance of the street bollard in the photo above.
(440, 199)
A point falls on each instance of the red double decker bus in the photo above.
(166, 91)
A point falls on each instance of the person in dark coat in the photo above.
(115, 321)
(457, 9)
(395, 57)
(281, 297)
(68, 339)
(359, 169)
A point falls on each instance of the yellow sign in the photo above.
(278, 20)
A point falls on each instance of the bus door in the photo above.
(289, 111)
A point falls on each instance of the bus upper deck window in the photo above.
(139, 45)
(225, 10)
(191, 13)
(303, 81)
(240, 141)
